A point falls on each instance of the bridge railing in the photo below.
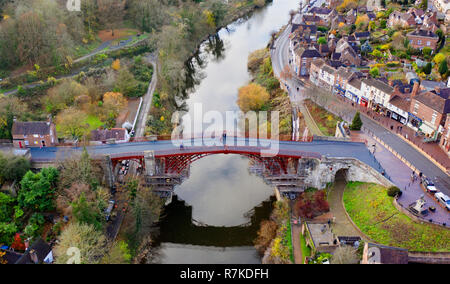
(211, 135)
(205, 150)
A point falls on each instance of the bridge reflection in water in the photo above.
(177, 226)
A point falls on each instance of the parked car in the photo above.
(109, 209)
(443, 199)
(429, 186)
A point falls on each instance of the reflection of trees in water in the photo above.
(194, 67)
(216, 47)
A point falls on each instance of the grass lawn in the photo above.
(325, 120)
(288, 237)
(93, 121)
(306, 250)
(373, 212)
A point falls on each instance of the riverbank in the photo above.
(260, 67)
(174, 86)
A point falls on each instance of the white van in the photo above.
(443, 199)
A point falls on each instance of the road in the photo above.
(148, 99)
(280, 58)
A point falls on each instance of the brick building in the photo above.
(34, 134)
(419, 39)
(430, 109)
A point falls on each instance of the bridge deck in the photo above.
(234, 146)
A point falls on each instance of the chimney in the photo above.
(49, 119)
(391, 83)
(415, 90)
(320, 48)
(34, 257)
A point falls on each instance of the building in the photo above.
(361, 36)
(303, 59)
(354, 93)
(419, 39)
(327, 77)
(34, 134)
(319, 237)
(378, 93)
(398, 107)
(313, 20)
(324, 13)
(314, 71)
(443, 6)
(429, 110)
(114, 135)
(445, 138)
(342, 77)
(399, 19)
(379, 254)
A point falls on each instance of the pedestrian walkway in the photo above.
(400, 175)
(312, 126)
(296, 231)
(341, 225)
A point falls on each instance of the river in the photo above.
(216, 213)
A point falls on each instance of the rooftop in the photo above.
(391, 255)
(439, 102)
(379, 85)
(105, 134)
(31, 128)
(423, 33)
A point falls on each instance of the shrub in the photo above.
(393, 191)
(356, 123)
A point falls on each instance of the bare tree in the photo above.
(111, 12)
(345, 255)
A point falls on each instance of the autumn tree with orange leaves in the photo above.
(252, 97)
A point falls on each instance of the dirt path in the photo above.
(296, 230)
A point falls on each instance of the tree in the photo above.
(427, 68)
(114, 103)
(87, 212)
(118, 254)
(111, 13)
(438, 58)
(85, 238)
(116, 65)
(266, 234)
(6, 207)
(322, 40)
(252, 97)
(79, 169)
(426, 51)
(71, 124)
(345, 255)
(13, 168)
(37, 190)
(443, 67)
(356, 123)
(374, 72)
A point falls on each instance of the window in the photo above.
(428, 43)
(419, 42)
(416, 108)
(433, 118)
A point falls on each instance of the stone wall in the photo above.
(321, 172)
